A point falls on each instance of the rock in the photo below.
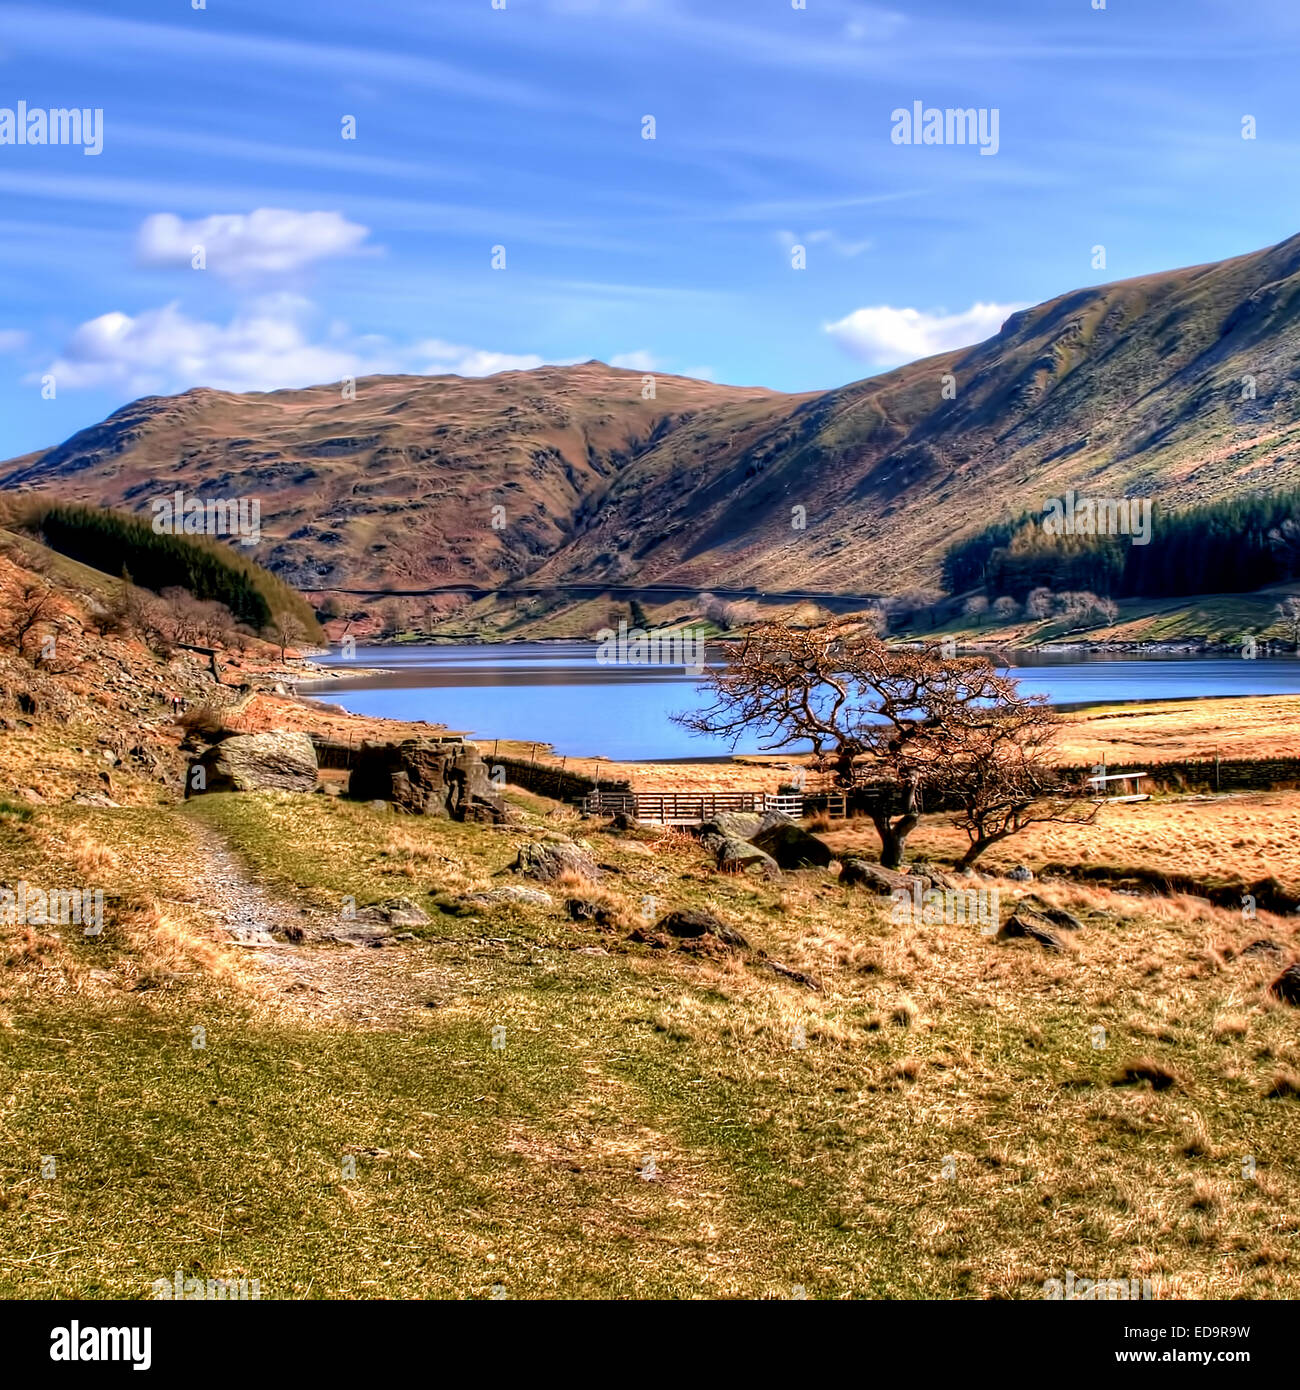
(796, 975)
(1021, 874)
(396, 912)
(279, 760)
(510, 893)
(939, 878)
(741, 825)
(736, 856)
(1263, 947)
(425, 777)
(1287, 986)
(92, 799)
(731, 825)
(547, 860)
(855, 873)
(379, 805)
(792, 847)
(1029, 925)
(588, 910)
(696, 922)
(1057, 916)
(622, 821)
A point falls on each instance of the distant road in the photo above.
(614, 590)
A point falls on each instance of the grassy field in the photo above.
(930, 1116)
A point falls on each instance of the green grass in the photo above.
(775, 1165)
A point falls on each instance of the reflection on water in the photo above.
(557, 693)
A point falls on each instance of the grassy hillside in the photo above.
(931, 1117)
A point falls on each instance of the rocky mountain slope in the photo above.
(1181, 386)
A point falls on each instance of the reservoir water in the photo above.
(557, 692)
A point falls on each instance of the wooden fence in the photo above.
(688, 807)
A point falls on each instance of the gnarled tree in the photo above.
(905, 725)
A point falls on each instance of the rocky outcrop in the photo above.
(425, 777)
(278, 760)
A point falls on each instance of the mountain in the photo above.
(1181, 386)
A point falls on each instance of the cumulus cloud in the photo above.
(269, 345)
(887, 336)
(260, 349)
(433, 357)
(640, 361)
(243, 246)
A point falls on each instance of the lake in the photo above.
(556, 693)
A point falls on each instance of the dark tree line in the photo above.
(1233, 546)
(208, 569)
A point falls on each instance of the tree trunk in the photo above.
(978, 847)
(893, 838)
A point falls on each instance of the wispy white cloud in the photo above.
(242, 246)
(65, 33)
(12, 340)
(887, 336)
(842, 246)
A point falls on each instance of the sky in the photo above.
(466, 186)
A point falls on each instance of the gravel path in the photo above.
(303, 958)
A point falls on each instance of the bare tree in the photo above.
(1039, 603)
(976, 607)
(888, 720)
(284, 631)
(1005, 608)
(1000, 775)
(740, 612)
(27, 602)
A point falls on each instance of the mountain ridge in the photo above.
(1179, 385)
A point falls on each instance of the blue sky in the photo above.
(521, 127)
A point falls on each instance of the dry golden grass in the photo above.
(932, 1113)
(1237, 838)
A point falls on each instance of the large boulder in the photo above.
(740, 825)
(736, 856)
(548, 860)
(425, 777)
(862, 873)
(690, 923)
(279, 760)
(793, 847)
